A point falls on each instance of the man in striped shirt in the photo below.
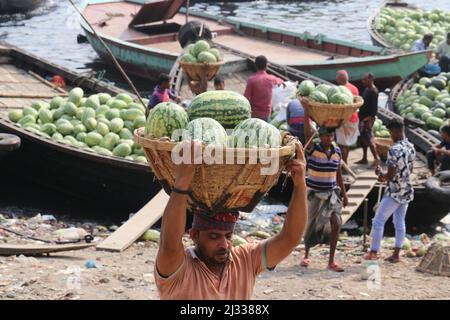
(326, 192)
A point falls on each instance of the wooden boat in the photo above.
(121, 185)
(377, 38)
(16, 6)
(144, 38)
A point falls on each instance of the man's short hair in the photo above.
(218, 80)
(448, 35)
(261, 62)
(325, 131)
(163, 78)
(428, 36)
(370, 75)
(395, 123)
(446, 129)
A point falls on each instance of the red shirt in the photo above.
(354, 90)
(259, 93)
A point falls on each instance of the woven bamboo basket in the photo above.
(331, 115)
(196, 71)
(382, 146)
(436, 261)
(233, 186)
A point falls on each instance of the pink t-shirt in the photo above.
(194, 281)
(259, 93)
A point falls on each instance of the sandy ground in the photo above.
(129, 275)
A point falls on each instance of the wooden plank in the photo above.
(30, 95)
(130, 231)
(32, 249)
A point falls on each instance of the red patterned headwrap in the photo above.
(220, 221)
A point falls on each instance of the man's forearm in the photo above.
(174, 222)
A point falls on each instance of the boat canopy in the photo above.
(156, 11)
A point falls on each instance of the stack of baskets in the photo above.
(232, 186)
(331, 115)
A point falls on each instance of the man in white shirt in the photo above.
(422, 44)
(443, 54)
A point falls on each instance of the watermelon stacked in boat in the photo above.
(221, 121)
(200, 60)
(329, 105)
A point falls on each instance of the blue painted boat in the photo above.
(143, 36)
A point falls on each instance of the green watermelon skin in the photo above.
(164, 119)
(227, 107)
(255, 133)
(207, 130)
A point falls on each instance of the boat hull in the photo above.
(122, 188)
(16, 6)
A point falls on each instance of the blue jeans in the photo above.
(389, 206)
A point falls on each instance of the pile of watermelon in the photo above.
(323, 93)
(380, 129)
(402, 27)
(428, 102)
(201, 52)
(98, 123)
(208, 117)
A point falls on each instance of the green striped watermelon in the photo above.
(255, 133)
(164, 118)
(206, 130)
(227, 107)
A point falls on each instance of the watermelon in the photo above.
(318, 96)
(207, 130)
(102, 151)
(116, 125)
(122, 150)
(65, 128)
(56, 102)
(39, 105)
(332, 91)
(15, 115)
(125, 98)
(27, 119)
(81, 136)
(48, 128)
(112, 113)
(255, 133)
(119, 104)
(164, 119)
(345, 91)
(206, 57)
(75, 96)
(57, 136)
(132, 114)
(139, 122)
(305, 88)
(45, 115)
(341, 98)
(103, 98)
(439, 113)
(434, 123)
(93, 138)
(187, 57)
(137, 105)
(324, 88)
(227, 107)
(30, 111)
(109, 141)
(92, 102)
(200, 46)
(126, 134)
(102, 128)
(216, 53)
(91, 124)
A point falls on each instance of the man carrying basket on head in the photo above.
(326, 192)
(214, 269)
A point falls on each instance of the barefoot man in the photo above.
(326, 192)
(213, 268)
(399, 192)
(367, 114)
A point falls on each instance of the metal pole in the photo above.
(366, 211)
(127, 79)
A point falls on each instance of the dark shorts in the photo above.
(366, 131)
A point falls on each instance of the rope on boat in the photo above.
(108, 50)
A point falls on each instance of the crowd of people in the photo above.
(220, 271)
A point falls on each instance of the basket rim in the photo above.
(184, 63)
(359, 101)
(164, 145)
